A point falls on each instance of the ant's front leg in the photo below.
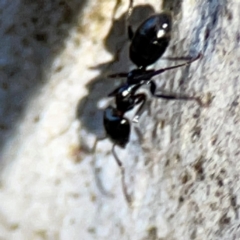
(172, 96)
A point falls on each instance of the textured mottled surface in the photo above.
(183, 166)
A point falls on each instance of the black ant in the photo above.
(148, 44)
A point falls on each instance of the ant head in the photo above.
(116, 126)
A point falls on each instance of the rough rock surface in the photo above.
(182, 166)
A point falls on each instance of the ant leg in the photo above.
(172, 96)
(96, 171)
(124, 187)
(159, 71)
(139, 98)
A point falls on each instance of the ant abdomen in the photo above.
(151, 39)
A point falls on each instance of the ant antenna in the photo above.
(124, 187)
(96, 170)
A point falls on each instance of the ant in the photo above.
(148, 44)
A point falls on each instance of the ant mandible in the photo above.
(148, 44)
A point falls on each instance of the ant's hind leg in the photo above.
(124, 187)
(161, 70)
(96, 171)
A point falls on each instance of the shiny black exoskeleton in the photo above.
(150, 40)
(117, 127)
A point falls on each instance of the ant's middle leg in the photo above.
(172, 96)
(159, 71)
